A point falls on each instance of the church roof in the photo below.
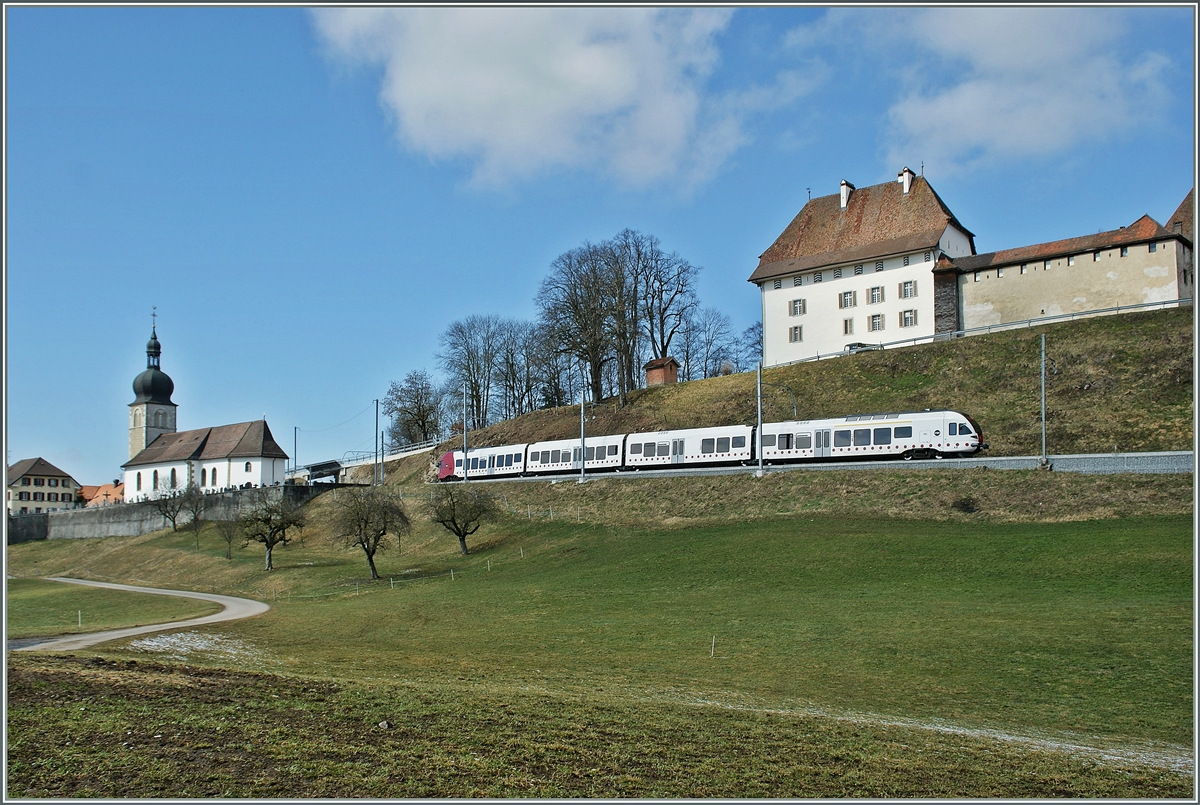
(879, 220)
(34, 466)
(243, 440)
(1141, 230)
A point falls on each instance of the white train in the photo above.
(905, 435)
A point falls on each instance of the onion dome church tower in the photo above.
(152, 413)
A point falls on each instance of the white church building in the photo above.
(164, 461)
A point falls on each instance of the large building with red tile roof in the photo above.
(891, 263)
(163, 461)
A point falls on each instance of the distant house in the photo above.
(163, 461)
(890, 263)
(856, 266)
(35, 485)
(102, 495)
(661, 371)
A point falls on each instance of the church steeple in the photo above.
(151, 413)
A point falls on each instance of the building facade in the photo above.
(164, 461)
(35, 485)
(856, 268)
(890, 263)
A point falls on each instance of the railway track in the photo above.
(1173, 462)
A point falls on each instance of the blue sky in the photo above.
(310, 197)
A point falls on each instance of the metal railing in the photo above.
(359, 458)
(991, 328)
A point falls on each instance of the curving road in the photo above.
(234, 609)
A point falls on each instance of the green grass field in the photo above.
(39, 608)
(843, 644)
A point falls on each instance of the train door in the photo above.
(577, 458)
(821, 444)
(677, 451)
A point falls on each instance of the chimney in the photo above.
(1179, 227)
(905, 178)
(846, 188)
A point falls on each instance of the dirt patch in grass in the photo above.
(96, 728)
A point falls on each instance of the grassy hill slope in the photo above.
(1113, 383)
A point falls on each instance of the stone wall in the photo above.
(134, 519)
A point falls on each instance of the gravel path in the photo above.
(234, 609)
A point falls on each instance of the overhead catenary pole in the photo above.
(1044, 458)
(295, 449)
(375, 467)
(465, 464)
(758, 430)
(582, 438)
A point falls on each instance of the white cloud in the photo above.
(983, 86)
(523, 91)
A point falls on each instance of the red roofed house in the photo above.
(163, 461)
(890, 262)
(661, 371)
(856, 267)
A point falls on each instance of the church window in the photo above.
(137, 419)
(203, 477)
(214, 476)
(247, 466)
(139, 482)
(174, 481)
(155, 481)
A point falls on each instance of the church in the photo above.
(164, 461)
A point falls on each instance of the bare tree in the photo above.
(194, 503)
(749, 351)
(716, 343)
(628, 254)
(575, 309)
(461, 511)
(229, 531)
(366, 517)
(415, 407)
(468, 356)
(518, 364)
(170, 505)
(668, 294)
(268, 521)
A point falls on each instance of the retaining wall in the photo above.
(134, 519)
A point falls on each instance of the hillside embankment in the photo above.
(1116, 383)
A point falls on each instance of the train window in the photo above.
(707, 445)
(963, 430)
(458, 462)
(841, 438)
(591, 454)
(635, 449)
(862, 436)
(785, 441)
(883, 436)
(612, 449)
(904, 432)
(768, 440)
(574, 454)
(723, 444)
(664, 449)
(545, 456)
(648, 449)
(804, 441)
(474, 464)
(953, 431)
(739, 442)
(556, 456)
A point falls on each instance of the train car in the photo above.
(907, 435)
(563, 455)
(483, 462)
(728, 444)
